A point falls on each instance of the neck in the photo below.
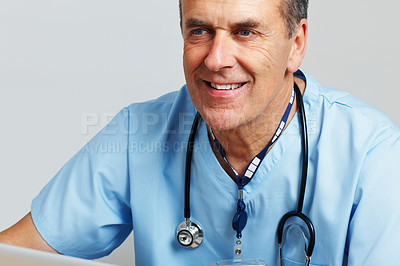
(240, 147)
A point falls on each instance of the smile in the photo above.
(226, 86)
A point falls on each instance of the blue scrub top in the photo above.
(131, 176)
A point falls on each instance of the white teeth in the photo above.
(226, 86)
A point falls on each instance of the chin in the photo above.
(222, 121)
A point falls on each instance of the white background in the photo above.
(62, 61)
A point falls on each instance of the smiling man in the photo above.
(241, 62)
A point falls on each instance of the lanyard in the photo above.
(240, 218)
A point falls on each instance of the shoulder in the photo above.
(171, 105)
(156, 118)
(164, 103)
(347, 117)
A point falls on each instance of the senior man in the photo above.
(241, 61)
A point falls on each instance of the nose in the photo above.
(221, 54)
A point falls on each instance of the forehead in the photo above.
(230, 10)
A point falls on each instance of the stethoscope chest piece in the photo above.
(189, 234)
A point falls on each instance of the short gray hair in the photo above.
(292, 12)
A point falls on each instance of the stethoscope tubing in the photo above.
(304, 143)
(299, 212)
(189, 154)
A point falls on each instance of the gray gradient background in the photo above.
(61, 60)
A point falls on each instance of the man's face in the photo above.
(235, 59)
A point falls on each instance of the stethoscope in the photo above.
(190, 234)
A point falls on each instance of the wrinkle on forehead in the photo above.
(227, 3)
(223, 10)
(229, 13)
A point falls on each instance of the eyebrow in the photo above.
(193, 22)
(248, 23)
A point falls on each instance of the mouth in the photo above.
(225, 87)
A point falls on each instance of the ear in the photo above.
(299, 46)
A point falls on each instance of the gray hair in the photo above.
(292, 12)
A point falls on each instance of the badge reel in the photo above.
(238, 258)
(238, 224)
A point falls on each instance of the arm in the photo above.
(374, 232)
(91, 193)
(24, 234)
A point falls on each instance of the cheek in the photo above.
(193, 56)
(270, 55)
(267, 57)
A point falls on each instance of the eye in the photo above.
(244, 32)
(197, 31)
